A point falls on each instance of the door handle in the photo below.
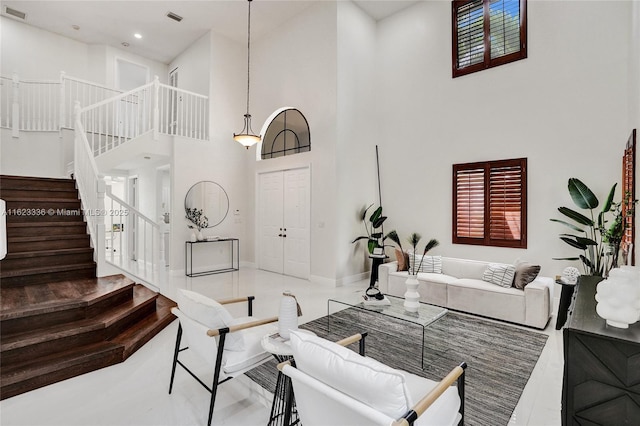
(279, 235)
(284, 236)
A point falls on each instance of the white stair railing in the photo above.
(139, 244)
(73, 89)
(111, 122)
(134, 242)
(184, 113)
(91, 187)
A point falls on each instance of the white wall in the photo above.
(38, 54)
(17, 157)
(220, 159)
(296, 66)
(194, 66)
(565, 108)
(356, 137)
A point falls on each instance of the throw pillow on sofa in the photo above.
(525, 273)
(500, 274)
(403, 260)
(431, 264)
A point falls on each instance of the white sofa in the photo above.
(460, 287)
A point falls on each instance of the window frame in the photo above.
(486, 240)
(487, 61)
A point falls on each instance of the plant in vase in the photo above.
(596, 239)
(198, 221)
(374, 236)
(411, 296)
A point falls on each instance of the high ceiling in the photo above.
(115, 22)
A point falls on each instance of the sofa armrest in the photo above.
(538, 297)
(383, 275)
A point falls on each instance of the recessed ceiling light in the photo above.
(125, 44)
(137, 35)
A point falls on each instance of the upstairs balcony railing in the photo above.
(110, 116)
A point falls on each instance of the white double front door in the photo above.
(284, 222)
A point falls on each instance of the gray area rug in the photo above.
(500, 357)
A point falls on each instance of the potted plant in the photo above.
(374, 236)
(198, 220)
(594, 236)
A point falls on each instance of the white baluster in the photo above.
(15, 125)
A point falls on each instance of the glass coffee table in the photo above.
(426, 314)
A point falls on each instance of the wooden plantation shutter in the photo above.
(487, 33)
(469, 198)
(629, 194)
(490, 203)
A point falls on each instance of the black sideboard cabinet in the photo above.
(601, 383)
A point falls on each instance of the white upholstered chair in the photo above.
(231, 346)
(336, 386)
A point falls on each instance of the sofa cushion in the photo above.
(500, 274)
(364, 379)
(210, 313)
(525, 273)
(432, 264)
(463, 268)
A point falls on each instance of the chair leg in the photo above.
(175, 357)
(216, 374)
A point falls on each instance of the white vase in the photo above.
(288, 318)
(411, 296)
(193, 238)
(618, 297)
(200, 236)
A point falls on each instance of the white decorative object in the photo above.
(570, 275)
(411, 296)
(618, 297)
(288, 318)
(200, 236)
(193, 238)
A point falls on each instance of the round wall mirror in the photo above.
(206, 202)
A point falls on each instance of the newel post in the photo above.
(156, 107)
(15, 108)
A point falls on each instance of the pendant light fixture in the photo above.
(246, 137)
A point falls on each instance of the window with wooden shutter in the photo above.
(628, 195)
(487, 33)
(490, 203)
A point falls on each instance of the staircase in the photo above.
(57, 320)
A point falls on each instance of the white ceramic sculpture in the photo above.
(288, 318)
(618, 297)
(570, 275)
(411, 296)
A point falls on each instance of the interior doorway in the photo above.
(284, 212)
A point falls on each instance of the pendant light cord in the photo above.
(248, 55)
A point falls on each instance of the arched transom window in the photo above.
(287, 134)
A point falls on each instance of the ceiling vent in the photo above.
(173, 16)
(15, 13)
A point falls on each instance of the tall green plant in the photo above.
(592, 227)
(374, 236)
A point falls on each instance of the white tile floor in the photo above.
(135, 392)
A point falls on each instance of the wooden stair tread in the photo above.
(45, 365)
(46, 269)
(41, 200)
(142, 296)
(41, 224)
(85, 292)
(35, 179)
(50, 252)
(45, 238)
